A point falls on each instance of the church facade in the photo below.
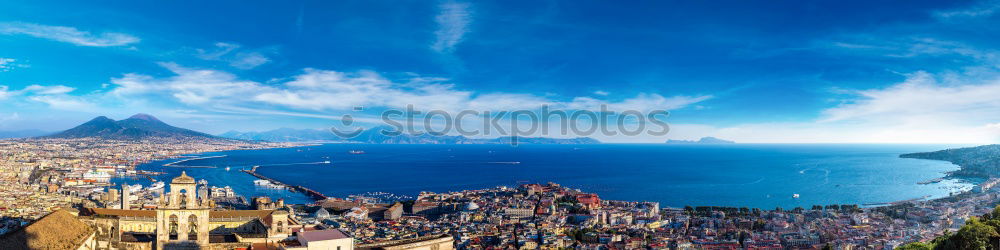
(186, 219)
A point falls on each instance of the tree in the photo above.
(975, 235)
(916, 246)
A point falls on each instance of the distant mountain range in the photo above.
(703, 140)
(137, 127)
(284, 135)
(981, 161)
(22, 133)
(374, 136)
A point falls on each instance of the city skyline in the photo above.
(888, 72)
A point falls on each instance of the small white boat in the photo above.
(227, 168)
(796, 196)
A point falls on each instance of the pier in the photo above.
(192, 159)
(309, 192)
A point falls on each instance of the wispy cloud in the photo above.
(4, 92)
(318, 90)
(230, 53)
(54, 96)
(453, 22)
(6, 64)
(68, 34)
(980, 9)
(921, 97)
(49, 90)
(65, 102)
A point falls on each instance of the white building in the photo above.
(329, 239)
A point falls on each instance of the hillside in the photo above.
(981, 161)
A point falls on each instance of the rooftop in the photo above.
(320, 235)
(58, 230)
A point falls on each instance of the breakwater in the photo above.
(192, 159)
(309, 192)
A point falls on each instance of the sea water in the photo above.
(741, 175)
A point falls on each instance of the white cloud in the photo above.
(221, 49)
(189, 86)
(64, 102)
(920, 98)
(229, 52)
(453, 22)
(924, 108)
(68, 34)
(55, 96)
(5, 64)
(981, 9)
(4, 92)
(325, 90)
(249, 60)
(48, 90)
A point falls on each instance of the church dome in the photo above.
(321, 214)
(471, 206)
(183, 179)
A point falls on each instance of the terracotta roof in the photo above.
(152, 213)
(239, 213)
(58, 230)
(321, 235)
(118, 212)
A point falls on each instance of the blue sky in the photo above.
(768, 71)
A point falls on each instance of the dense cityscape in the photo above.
(40, 176)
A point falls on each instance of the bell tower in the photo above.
(182, 216)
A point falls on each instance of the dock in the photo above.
(309, 192)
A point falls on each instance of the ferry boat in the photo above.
(356, 152)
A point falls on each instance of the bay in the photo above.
(750, 175)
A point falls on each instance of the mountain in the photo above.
(137, 127)
(703, 140)
(22, 133)
(981, 161)
(284, 135)
(375, 136)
